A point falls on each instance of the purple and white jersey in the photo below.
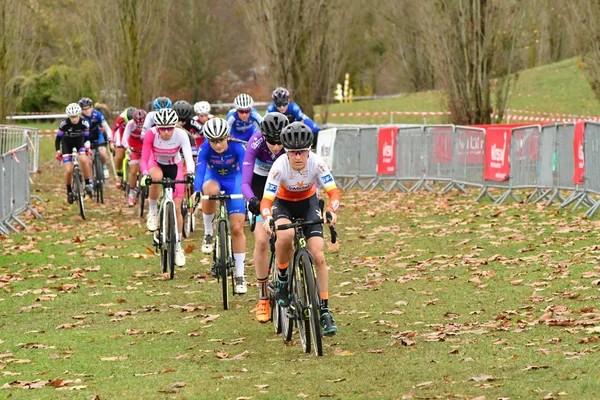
(257, 161)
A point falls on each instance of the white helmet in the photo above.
(73, 110)
(166, 117)
(215, 128)
(243, 102)
(202, 108)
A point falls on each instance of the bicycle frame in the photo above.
(223, 218)
(168, 185)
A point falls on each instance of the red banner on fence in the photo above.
(578, 157)
(386, 160)
(497, 145)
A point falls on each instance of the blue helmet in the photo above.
(162, 102)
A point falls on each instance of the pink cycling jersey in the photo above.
(166, 152)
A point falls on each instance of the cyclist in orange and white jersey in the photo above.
(290, 192)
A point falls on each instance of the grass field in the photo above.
(436, 297)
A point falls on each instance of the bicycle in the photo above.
(98, 176)
(223, 252)
(165, 238)
(188, 211)
(78, 184)
(303, 287)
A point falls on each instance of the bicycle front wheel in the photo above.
(311, 304)
(79, 191)
(98, 179)
(143, 193)
(171, 238)
(162, 244)
(299, 301)
(221, 259)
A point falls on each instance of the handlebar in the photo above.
(222, 197)
(298, 223)
(167, 182)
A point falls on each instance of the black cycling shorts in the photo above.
(307, 209)
(68, 143)
(258, 185)
(169, 171)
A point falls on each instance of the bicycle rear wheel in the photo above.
(277, 315)
(185, 213)
(221, 245)
(171, 238)
(312, 304)
(79, 191)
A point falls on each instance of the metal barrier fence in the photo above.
(541, 160)
(19, 155)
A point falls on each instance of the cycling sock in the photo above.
(120, 173)
(131, 193)
(88, 181)
(153, 209)
(324, 306)
(239, 258)
(208, 220)
(282, 269)
(69, 188)
(262, 288)
(178, 242)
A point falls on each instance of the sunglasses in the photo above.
(274, 142)
(244, 111)
(166, 129)
(281, 104)
(295, 153)
(216, 141)
(75, 116)
(86, 108)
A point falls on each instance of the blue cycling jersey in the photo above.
(295, 114)
(240, 129)
(212, 165)
(95, 120)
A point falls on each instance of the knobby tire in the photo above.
(312, 304)
(171, 238)
(222, 261)
(79, 191)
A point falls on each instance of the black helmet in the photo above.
(183, 109)
(129, 113)
(297, 136)
(272, 124)
(280, 96)
(85, 102)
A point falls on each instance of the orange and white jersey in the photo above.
(285, 183)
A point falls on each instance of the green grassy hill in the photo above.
(558, 88)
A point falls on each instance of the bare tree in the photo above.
(303, 43)
(19, 50)
(405, 31)
(584, 28)
(471, 43)
(198, 44)
(127, 41)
